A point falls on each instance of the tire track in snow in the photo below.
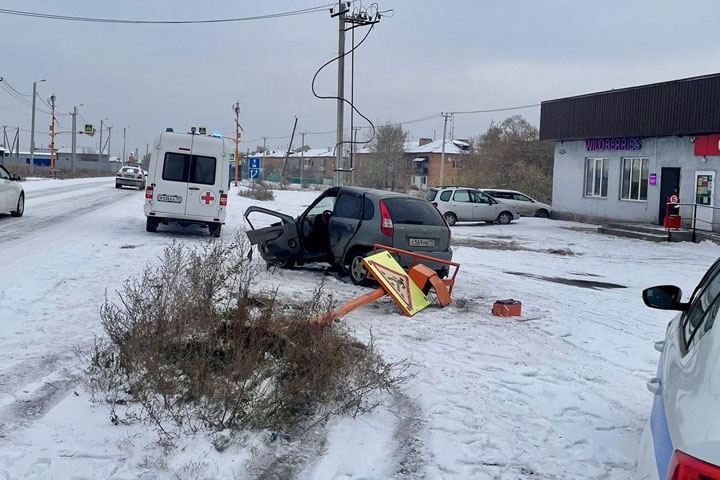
(60, 212)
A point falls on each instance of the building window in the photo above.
(455, 162)
(634, 179)
(596, 177)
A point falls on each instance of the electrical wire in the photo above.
(334, 97)
(492, 110)
(50, 16)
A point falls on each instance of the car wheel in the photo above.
(151, 224)
(20, 209)
(215, 229)
(288, 264)
(356, 269)
(450, 218)
(504, 218)
(117, 185)
(542, 213)
(141, 187)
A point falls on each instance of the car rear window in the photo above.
(430, 196)
(412, 211)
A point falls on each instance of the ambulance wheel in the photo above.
(214, 229)
(356, 269)
(151, 224)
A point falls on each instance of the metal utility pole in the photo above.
(353, 161)
(124, 158)
(101, 144)
(302, 157)
(342, 10)
(52, 135)
(262, 167)
(73, 158)
(108, 142)
(236, 107)
(287, 155)
(32, 129)
(442, 155)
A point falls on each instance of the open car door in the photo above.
(277, 243)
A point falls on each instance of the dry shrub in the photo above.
(194, 347)
(259, 191)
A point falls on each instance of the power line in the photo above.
(70, 18)
(497, 109)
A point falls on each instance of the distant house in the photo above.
(317, 164)
(421, 167)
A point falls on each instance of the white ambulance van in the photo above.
(187, 181)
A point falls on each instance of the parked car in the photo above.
(187, 181)
(130, 177)
(12, 194)
(526, 205)
(341, 226)
(464, 204)
(682, 437)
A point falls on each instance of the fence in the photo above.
(694, 217)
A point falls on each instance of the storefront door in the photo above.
(704, 198)
(669, 184)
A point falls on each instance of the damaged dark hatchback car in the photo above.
(341, 226)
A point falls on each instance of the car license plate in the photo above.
(129, 175)
(422, 242)
(169, 198)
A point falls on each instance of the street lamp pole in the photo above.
(32, 129)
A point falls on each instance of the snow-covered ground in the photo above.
(558, 393)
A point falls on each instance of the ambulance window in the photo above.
(202, 170)
(175, 168)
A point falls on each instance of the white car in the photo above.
(131, 177)
(526, 205)
(682, 438)
(464, 204)
(12, 195)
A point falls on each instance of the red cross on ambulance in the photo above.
(207, 198)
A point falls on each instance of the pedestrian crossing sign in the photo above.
(398, 285)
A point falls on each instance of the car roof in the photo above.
(375, 192)
(501, 190)
(447, 187)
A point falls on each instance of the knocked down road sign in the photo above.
(396, 282)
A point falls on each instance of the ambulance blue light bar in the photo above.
(169, 129)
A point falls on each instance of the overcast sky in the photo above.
(431, 56)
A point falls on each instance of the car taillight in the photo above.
(139, 177)
(149, 191)
(685, 467)
(119, 174)
(434, 204)
(223, 199)
(386, 223)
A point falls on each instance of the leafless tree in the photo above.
(383, 168)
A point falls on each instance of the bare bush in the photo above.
(259, 192)
(193, 346)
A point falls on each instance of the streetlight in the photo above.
(123, 157)
(32, 128)
(74, 135)
(101, 145)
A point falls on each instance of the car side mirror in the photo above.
(532, 201)
(664, 297)
(16, 177)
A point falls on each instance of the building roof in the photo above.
(452, 147)
(679, 107)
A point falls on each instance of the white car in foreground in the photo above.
(12, 195)
(682, 438)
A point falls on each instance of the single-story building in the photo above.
(620, 154)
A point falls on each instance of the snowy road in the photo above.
(559, 393)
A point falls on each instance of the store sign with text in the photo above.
(613, 144)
